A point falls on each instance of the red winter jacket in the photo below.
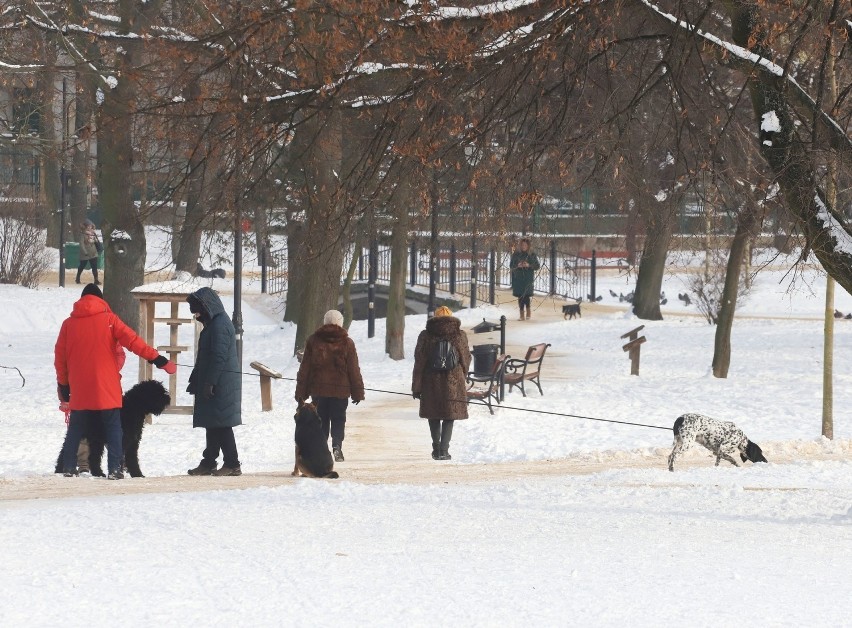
(86, 355)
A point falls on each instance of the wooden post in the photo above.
(632, 347)
(266, 375)
(147, 320)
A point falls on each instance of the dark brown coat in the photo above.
(443, 395)
(329, 366)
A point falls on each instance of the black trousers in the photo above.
(524, 302)
(81, 266)
(221, 439)
(332, 412)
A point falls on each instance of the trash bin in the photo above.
(484, 357)
(72, 255)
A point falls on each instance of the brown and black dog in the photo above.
(313, 458)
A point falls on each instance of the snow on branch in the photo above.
(753, 60)
(842, 238)
(478, 11)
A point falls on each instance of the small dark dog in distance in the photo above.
(570, 310)
(148, 397)
(313, 458)
(200, 271)
(723, 438)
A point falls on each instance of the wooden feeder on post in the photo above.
(148, 299)
(266, 375)
(632, 346)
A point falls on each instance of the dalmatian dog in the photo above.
(723, 438)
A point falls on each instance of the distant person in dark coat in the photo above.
(216, 383)
(88, 250)
(523, 265)
(330, 374)
(88, 374)
(442, 394)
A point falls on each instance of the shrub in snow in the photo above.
(708, 283)
(23, 257)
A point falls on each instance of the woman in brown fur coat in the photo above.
(329, 374)
(442, 394)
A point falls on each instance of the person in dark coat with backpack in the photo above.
(216, 383)
(329, 374)
(523, 265)
(442, 393)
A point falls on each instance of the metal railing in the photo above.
(561, 273)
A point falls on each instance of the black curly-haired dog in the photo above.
(723, 438)
(313, 458)
(148, 397)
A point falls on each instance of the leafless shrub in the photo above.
(708, 284)
(23, 256)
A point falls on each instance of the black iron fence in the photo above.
(473, 274)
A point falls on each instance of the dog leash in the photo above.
(547, 412)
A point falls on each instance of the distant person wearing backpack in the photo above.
(439, 381)
(523, 265)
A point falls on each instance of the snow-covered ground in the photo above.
(767, 543)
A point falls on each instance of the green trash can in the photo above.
(72, 255)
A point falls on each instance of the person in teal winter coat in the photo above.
(216, 384)
(523, 265)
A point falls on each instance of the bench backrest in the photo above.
(535, 354)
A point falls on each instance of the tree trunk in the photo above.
(50, 162)
(323, 251)
(124, 234)
(191, 227)
(831, 197)
(350, 275)
(188, 227)
(747, 223)
(395, 323)
(78, 186)
(295, 271)
(652, 266)
(828, 362)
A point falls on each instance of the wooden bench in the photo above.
(486, 388)
(529, 369)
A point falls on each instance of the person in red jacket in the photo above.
(88, 373)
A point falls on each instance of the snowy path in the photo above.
(387, 451)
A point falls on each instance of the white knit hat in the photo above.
(333, 317)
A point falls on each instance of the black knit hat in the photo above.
(93, 290)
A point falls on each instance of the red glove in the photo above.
(170, 367)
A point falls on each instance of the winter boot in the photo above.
(435, 429)
(522, 315)
(227, 471)
(338, 454)
(97, 282)
(446, 435)
(115, 475)
(529, 313)
(203, 468)
(79, 272)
